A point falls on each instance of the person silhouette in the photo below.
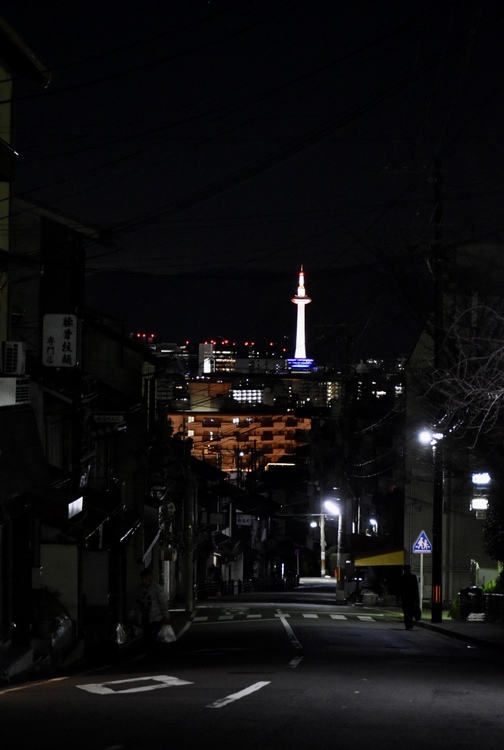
(410, 599)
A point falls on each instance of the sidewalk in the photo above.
(473, 631)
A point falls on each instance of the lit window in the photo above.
(479, 503)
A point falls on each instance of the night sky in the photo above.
(225, 143)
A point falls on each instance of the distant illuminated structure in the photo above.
(301, 299)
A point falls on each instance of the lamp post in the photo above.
(321, 525)
(322, 546)
(435, 441)
(333, 509)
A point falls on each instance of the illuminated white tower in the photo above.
(300, 300)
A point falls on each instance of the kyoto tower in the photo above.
(300, 300)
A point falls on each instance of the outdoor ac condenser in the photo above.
(13, 358)
(14, 391)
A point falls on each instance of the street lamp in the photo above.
(435, 440)
(333, 509)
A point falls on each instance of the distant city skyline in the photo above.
(259, 139)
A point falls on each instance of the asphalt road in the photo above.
(271, 675)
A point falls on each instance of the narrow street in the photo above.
(273, 674)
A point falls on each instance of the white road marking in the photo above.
(184, 630)
(225, 617)
(290, 633)
(161, 681)
(31, 684)
(254, 617)
(338, 617)
(294, 662)
(310, 616)
(200, 619)
(365, 618)
(237, 696)
(280, 615)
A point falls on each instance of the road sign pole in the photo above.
(421, 579)
(422, 546)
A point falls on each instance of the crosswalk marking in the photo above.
(230, 616)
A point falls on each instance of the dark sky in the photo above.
(226, 142)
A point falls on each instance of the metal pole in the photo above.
(322, 545)
(437, 536)
(437, 494)
(189, 502)
(421, 578)
(340, 532)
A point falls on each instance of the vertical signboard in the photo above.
(60, 340)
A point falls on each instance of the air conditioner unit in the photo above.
(14, 391)
(13, 358)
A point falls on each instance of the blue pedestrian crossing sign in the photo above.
(422, 544)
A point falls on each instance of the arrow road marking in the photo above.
(160, 681)
(237, 696)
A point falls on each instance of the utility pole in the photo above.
(189, 503)
(437, 493)
(188, 522)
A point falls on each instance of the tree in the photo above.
(467, 394)
(470, 386)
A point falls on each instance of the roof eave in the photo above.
(19, 58)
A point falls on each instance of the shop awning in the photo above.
(395, 557)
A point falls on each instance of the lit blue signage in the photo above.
(300, 364)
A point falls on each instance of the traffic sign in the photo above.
(422, 544)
